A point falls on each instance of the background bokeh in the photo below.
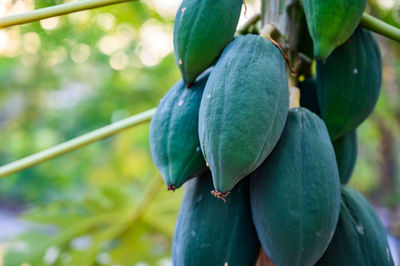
(105, 204)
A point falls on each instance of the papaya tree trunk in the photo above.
(282, 20)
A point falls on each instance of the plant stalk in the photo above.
(54, 11)
(380, 27)
(76, 143)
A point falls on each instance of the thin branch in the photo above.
(75, 143)
(55, 11)
(379, 26)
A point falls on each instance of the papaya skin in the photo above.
(174, 141)
(348, 83)
(360, 238)
(332, 22)
(243, 109)
(202, 29)
(212, 232)
(295, 193)
(346, 155)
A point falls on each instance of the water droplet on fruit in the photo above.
(180, 103)
(198, 149)
(193, 233)
(208, 96)
(180, 61)
(360, 229)
(355, 71)
(183, 10)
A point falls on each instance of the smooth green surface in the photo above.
(174, 140)
(332, 22)
(360, 238)
(201, 31)
(295, 193)
(346, 155)
(211, 232)
(348, 83)
(243, 109)
(308, 95)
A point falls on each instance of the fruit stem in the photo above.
(380, 27)
(252, 21)
(54, 11)
(294, 97)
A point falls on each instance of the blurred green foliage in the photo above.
(106, 203)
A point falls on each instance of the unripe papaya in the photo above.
(332, 22)
(360, 238)
(202, 29)
(308, 95)
(295, 193)
(346, 155)
(211, 232)
(348, 83)
(174, 140)
(243, 110)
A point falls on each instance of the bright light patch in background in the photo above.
(9, 42)
(166, 8)
(156, 42)
(31, 42)
(50, 23)
(3, 10)
(80, 53)
(110, 44)
(56, 56)
(252, 9)
(119, 61)
(19, 6)
(79, 18)
(4, 38)
(386, 4)
(105, 21)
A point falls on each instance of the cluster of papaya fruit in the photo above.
(280, 172)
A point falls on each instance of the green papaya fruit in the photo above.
(346, 155)
(211, 232)
(174, 139)
(202, 29)
(243, 110)
(332, 22)
(308, 95)
(295, 193)
(348, 83)
(360, 238)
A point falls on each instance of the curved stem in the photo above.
(75, 143)
(54, 11)
(379, 26)
(252, 21)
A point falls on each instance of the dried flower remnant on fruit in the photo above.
(220, 195)
(171, 187)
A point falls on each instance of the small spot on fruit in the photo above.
(180, 103)
(197, 149)
(355, 71)
(180, 61)
(183, 10)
